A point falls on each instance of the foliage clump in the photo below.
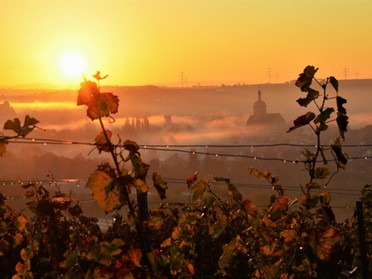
(213, 236)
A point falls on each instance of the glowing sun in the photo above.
(72, 64)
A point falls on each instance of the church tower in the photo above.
(259, 107)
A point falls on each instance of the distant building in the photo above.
(261, 117)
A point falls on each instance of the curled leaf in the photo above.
(101, 141)
(305, 78)
(160, 185)
(302, 121)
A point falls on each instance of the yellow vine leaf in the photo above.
(325, 243)
(101, 141)
(99, 183)
(102, 105)
(21, 222)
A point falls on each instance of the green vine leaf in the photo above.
(321, 173)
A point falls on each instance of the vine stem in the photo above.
(111, 147)
(127, 198)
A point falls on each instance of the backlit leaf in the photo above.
(334, 82)
(191, 179)
(305, 78)
(311, 95)
(101, 141)
(342, 122)
(324, 115)
(230, 250)
(302, 121)
(88, 89)
(325, 243)
(21, 222)
(290, 237)
(341, 157)
(102, 105)
(198, 189)
(321, 172)
(160, 185)
(104, 189)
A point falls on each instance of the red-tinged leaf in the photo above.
(160, 185)
(290, 237)
(191, 179)
(87, 91)
(326, 241)
(250, 207)
(302, 121)
(101, 141)
(334, 82)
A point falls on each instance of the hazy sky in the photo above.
(210, 41)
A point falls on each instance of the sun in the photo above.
(72, 64)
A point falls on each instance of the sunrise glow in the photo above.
(72, 64)
(183, 43)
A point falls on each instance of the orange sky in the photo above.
(211, 41)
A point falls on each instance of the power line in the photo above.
(178, 148)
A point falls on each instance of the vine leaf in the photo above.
(324, 115)
(104, 190)
(341, 157)
(334, 82)
(101, 142)
(191, 179)
(160, 185)
(15, 125)
(311, 95)
(324, 243)
(305, 78)
(102, 105)
(302, 121)
(342, 118)
(198, 189)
